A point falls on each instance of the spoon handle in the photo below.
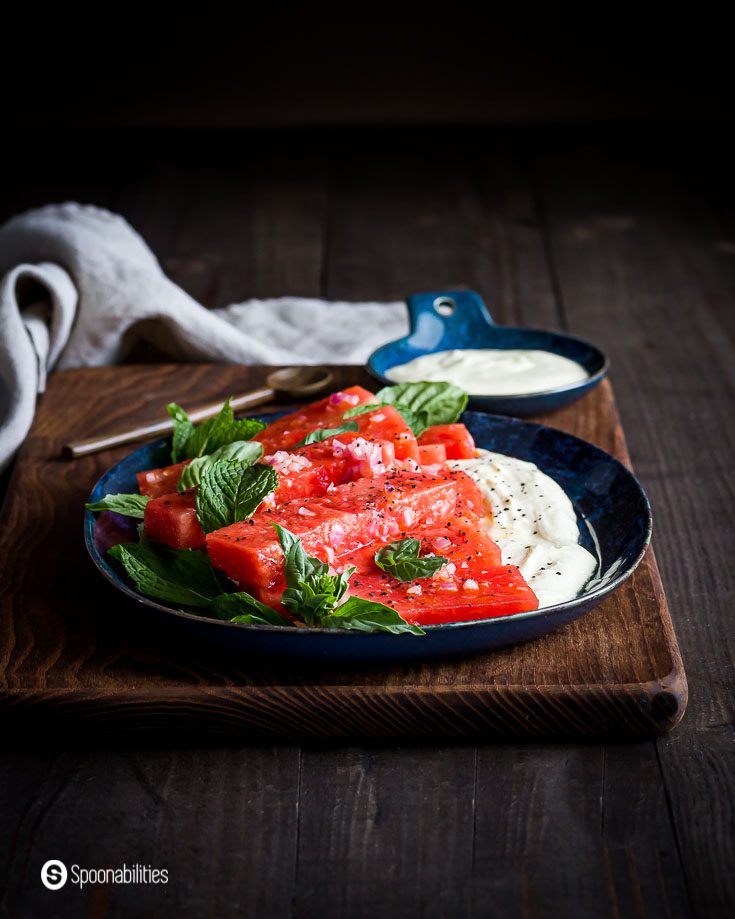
(106, 441)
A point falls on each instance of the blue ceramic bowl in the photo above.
(441, 321)
(615, 525)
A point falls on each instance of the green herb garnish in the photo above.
(314, 595)
(230, 492)
(241, 607)
(183, 429)
(127, 505)
(314, 437)
(366, 616)
(190, 442)
(442, 403)
(417, 421)
(401, 560)
(246, 452)
(186, 577)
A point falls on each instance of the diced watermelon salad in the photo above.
(341, 514)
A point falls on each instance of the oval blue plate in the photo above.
(442, 321)
(615, 525)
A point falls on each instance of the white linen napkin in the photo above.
(79, 287)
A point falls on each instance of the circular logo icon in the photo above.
(54, 874)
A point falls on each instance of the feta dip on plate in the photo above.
(533, 521)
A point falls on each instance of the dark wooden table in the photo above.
(626, 237)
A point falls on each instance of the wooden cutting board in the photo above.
(79, 660)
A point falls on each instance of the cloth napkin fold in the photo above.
(79, 287)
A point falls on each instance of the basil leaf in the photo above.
(241, 607)
(183, 429)
(230, 492)
(246, 452)
(315, 599)
(314, 594)
(298, 565)
(443, 403)
(314, 437)
(363, 409)
(255, 619)
(223, 429)
(417, 421)
(183, 577)
(401, 560)
(128, 505)
(311, 592)
(367, 616)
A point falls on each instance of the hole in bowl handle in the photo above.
(459, 311)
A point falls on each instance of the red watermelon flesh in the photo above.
(172, 520)
(314, 470)
(286, 432)
(351, 516)
(163, 481)
(385, 423)
(473, 585)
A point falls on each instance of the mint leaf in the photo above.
(230, 492)
(241, 607)
(417, 421)
(186, 578)
(183, 577)
(442, 403)
(246, 452)
(183, 429)
(128, 505)
(223, 429)
(194, 569)
(320, 434)
(367, 616)
(401, 560)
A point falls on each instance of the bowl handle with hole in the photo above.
(455, 314)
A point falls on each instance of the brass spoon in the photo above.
(295, 382)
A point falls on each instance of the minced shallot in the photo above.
(362, 450)
(343, 398)
(285, 462)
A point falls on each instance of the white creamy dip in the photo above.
(534, 523)
(492, 372)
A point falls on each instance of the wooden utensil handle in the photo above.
(106, 441)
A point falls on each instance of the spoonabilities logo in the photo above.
(54, 874)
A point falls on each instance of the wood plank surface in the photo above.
(539, 222)
(70, 667)
(643, 249)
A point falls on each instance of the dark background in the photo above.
(276, 65)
